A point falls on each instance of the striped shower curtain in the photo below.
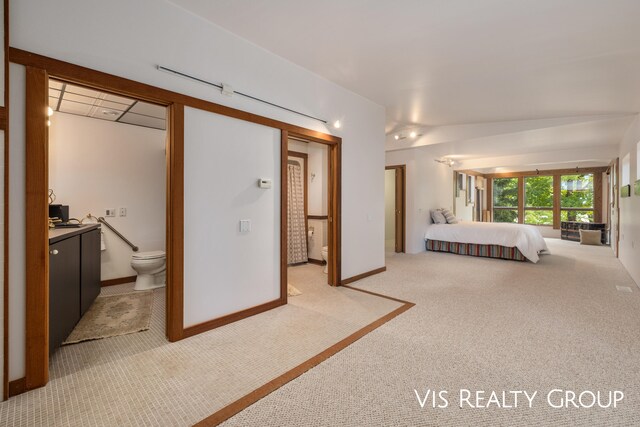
(297, 233)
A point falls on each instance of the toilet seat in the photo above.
(148, 255)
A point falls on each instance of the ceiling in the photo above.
(435, 63)
(81, 101)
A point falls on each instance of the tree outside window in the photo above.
(576, 197)
(538, 200)
(505, 200)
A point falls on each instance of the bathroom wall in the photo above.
(96, 165)
(390, 205)
(151, 32)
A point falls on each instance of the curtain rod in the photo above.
(223, 88)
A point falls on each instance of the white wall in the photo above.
(151, 32)
(390, 204)
(429, 186)
(97, 164)
(226, 270)
(629, 249)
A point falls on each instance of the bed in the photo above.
(487, 239)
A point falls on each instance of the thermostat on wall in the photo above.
(264, 183)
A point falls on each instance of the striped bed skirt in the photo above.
(489, 251)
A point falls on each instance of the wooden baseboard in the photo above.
(118, 281)
(230, 318)
(316, 261)
(249, 399)
(362, 276)
(17, 387)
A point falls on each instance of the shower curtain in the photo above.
(297, 233)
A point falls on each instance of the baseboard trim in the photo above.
(230, 318)
(17, 387)
(251, 398)
(316, 261)
(118, 281)
(363, 275)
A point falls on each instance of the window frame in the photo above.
(597, 208)
(538, 208)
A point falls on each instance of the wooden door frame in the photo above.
(39, 67)
(334, 204)
(36, 207)
(400, 206)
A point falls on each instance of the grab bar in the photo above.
(103, 221)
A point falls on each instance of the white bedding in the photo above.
(526, 238)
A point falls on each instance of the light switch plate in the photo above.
(245, 225)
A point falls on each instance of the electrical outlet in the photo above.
(122, 212)
(110, 212)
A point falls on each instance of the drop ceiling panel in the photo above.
(150, 110)
(82, 91)
(108, 105)
(100, 113)
(116, 98)
(55, 84)
(69, 96)
(105, 106)
(136, 119)
(74, 108)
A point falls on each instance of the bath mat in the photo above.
(114, 315)
(292, 291)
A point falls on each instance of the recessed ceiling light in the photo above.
(413, 134)
(337, 124)
(396, 137)
(110, 113)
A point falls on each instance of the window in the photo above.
(576, 197)
(505, 200)
(538, 200)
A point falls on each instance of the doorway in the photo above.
(613, 210)
(395, 206)
(38, 249)
(312, 183)
(107, 173)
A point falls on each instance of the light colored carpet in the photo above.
(114, 315)
(142, 380)
(479, 324)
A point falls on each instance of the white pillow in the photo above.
(438, 217)
(448, 215)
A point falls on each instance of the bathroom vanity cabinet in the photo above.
(74, 278)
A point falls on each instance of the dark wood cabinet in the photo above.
(89, 269)
(74, 279)
(570, 230)
(64, 290)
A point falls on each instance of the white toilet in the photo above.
(148, 265)
(325, 254)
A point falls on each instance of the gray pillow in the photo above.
(451, 219)
(437, 217)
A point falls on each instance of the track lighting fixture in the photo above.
(448, 162)
(412, 135)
